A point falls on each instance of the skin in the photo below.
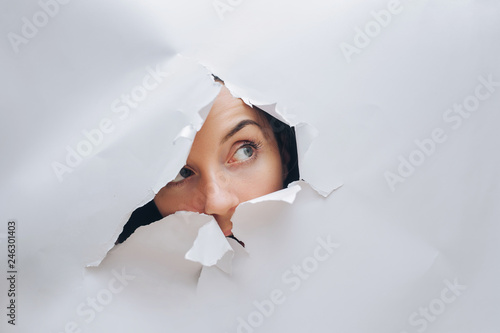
(234, 158)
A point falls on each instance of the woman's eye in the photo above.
(183, 174)
(243, 153)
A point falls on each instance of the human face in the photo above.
(234, 158)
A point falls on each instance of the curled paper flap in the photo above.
(210, 246)
(286, 195)
(188, 132)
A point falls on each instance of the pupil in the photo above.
(185, 172)
(248, 151)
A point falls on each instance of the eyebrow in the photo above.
(242, 124)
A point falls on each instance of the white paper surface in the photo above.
(395, 105)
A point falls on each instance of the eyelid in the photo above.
(245, 143)
(179, 182)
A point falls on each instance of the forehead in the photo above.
(225, 113)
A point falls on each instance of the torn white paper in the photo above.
(394, 228)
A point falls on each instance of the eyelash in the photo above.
(254, 145)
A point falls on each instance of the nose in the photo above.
(219, 199)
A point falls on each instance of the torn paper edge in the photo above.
(305, 136)
(210, 236)
(305, 133)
